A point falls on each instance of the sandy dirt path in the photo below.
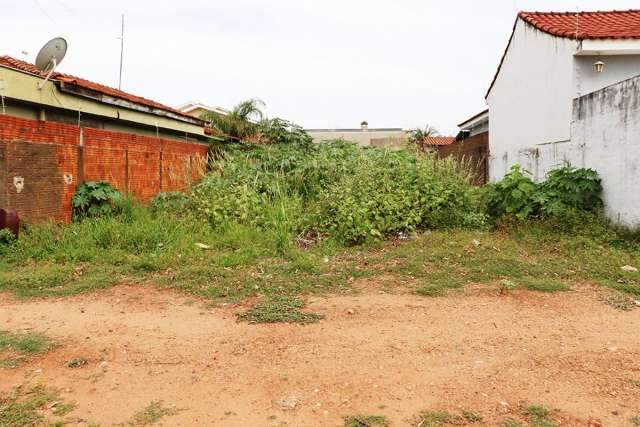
(374, 353)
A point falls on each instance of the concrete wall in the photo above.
(606, 137)
(530, 102)
(363, 138)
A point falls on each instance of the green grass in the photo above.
(151, 414)
(366, 421)
(24, 407)
(16, 348)
(279, 309)
(245, 261)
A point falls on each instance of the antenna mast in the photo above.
(121, 52)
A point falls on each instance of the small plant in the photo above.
(152, 414)
(539, 416)
(635, 420)
(173, 202)
(95, 199)
(6, 236)
(438, 419)
(366, 421)
(471, 417)
(506, 286)
(77, 362)
(514, 195)
(279, 309)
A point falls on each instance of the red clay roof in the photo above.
(616, 24)
(16, 64)
(439, 140)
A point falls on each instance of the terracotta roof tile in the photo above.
(616, 24)
(9, 62)
(439, 140)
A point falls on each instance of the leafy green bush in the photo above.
(95, 199)
(566, 192)
(568, 189)
(515, 195)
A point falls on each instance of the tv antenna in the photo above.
(49, 57)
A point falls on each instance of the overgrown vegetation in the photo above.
(289, 219)
(16, 348)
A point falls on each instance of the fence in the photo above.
(42, 162)
(474, 150)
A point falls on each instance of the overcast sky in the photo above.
(320, 63)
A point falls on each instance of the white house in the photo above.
(568, 91)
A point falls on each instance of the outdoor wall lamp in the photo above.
(598, 66)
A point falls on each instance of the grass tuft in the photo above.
(15, 348)
(539, 416)
(279, 309)
(24, 407)
(366, 421)
(151, 414)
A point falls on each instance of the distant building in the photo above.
(196, 109)
(364, 136)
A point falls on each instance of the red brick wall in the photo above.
(140, 165)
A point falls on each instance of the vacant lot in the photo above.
(152, 355)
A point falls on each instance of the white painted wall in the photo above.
(606, 137)
(616, 69)
(531, 100)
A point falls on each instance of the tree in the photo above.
(240, 122)
(418, 136)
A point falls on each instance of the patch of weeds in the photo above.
(620, 301)
(151, 414)
(62, 409)
(19, 346)
(279, 309)
(366, 421)
(23, 407)
(471, 417)
(635, 420)
(439, 419)
(511, 422)
(430, 291)
(539, 416)
(77, 362)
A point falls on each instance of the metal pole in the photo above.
(121, 52)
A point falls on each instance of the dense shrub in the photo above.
(95, 199)
(391, 192)
(279, 131)
(566, 192)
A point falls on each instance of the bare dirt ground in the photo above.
(374, 353)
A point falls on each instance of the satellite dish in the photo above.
(51, 54)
